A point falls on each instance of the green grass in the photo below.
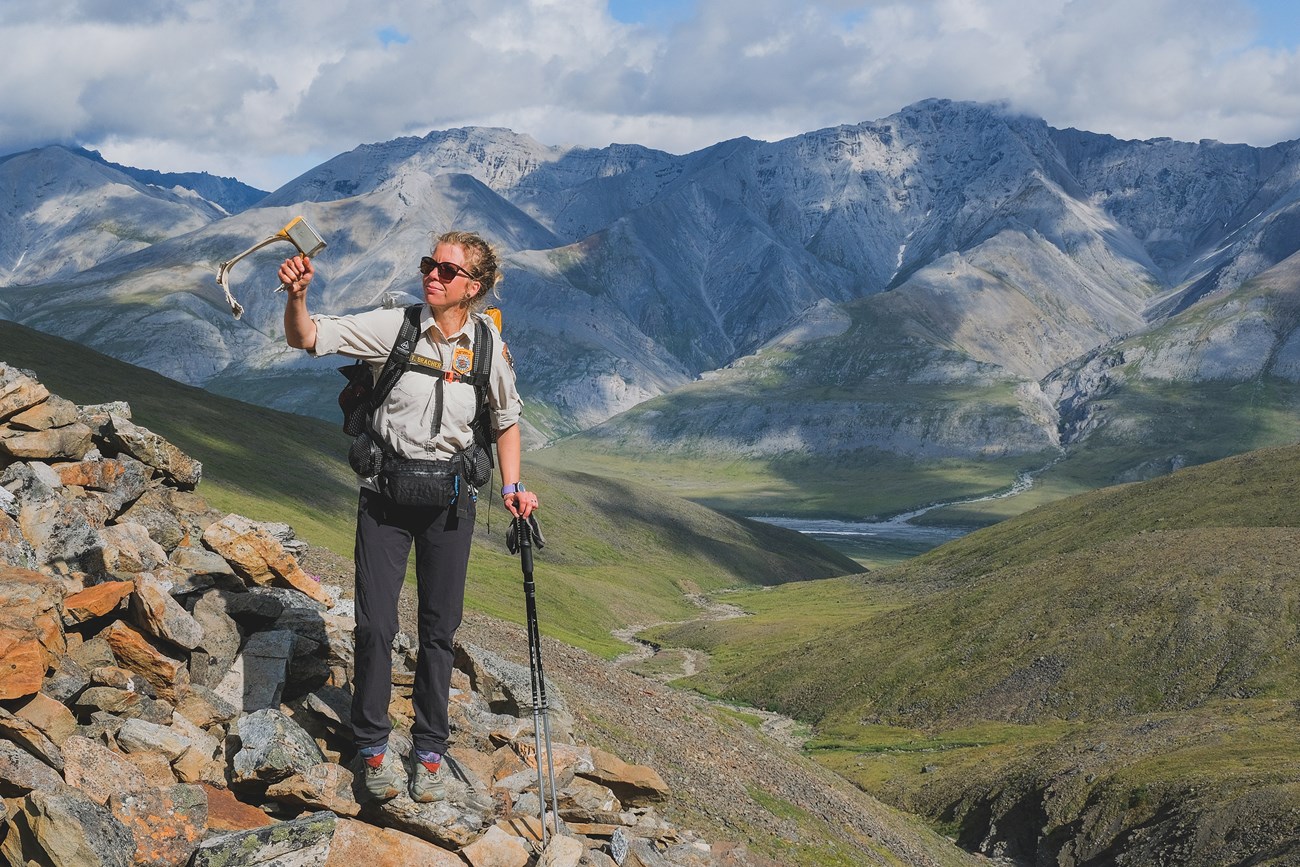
(1148, 627)
(619, 554)
(752, 720)
(1159, 424)
(850, 487)
(1163, 621)
(898, 763)
(781, 621)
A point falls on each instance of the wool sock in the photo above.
(431, 760)
(373, 756)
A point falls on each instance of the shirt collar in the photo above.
(427, 323)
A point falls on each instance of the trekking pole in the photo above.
(520, 538)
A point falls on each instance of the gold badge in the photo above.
(462, 360)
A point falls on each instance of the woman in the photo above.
(456, 280)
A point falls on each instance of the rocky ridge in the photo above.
(175, 688)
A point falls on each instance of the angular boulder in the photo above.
(259, 558)
(126, 437)
(65, 827)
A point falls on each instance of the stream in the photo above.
(896, 538)
(665, 664)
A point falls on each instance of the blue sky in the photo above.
(657, 13)
(1279, 20)
(1279, 23)
(264, 91)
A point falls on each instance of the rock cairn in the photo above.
(175, 688)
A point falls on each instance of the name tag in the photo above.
(430, 363)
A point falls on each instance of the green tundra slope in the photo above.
(1112, 673)
(618, 553)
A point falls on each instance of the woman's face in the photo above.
(458, 288)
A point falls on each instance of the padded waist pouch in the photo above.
(419, 483)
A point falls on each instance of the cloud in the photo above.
(262, 91)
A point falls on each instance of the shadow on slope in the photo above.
(619, 553)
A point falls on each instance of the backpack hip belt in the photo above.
(359, 399)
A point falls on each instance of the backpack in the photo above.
(362, 394)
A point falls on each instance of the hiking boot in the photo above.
(383, 782)
(427, 786)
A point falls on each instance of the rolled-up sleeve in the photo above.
(502, 392)
(366, 335)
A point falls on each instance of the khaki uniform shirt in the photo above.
(405, 420)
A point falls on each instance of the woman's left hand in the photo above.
(521, 504)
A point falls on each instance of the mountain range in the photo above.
(952, 282)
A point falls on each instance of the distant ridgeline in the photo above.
(229, 193)
(954, 293)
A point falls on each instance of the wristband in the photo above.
(516, 488)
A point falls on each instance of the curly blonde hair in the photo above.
(481, 261)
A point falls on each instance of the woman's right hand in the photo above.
(296, 273)
(299, 328)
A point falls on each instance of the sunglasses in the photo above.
(447, 271)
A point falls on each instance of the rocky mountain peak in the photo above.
(65, 213)
(976, 229)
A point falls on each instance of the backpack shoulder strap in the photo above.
(480, 376)
(407, 336)
(482, 352)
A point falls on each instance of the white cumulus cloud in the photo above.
(262, 90)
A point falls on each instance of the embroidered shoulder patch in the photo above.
(505, 353)
(462, 360)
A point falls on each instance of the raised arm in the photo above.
(299, 329)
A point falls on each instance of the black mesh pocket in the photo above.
(355, 422)
(354, 399)
(365, 456)
(476, 466)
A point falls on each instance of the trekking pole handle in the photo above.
(525, 547)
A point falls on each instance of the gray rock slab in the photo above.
(256, 679)
(66, 828)
(304, 842)
(272, 748)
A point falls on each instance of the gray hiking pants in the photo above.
(385, 532)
